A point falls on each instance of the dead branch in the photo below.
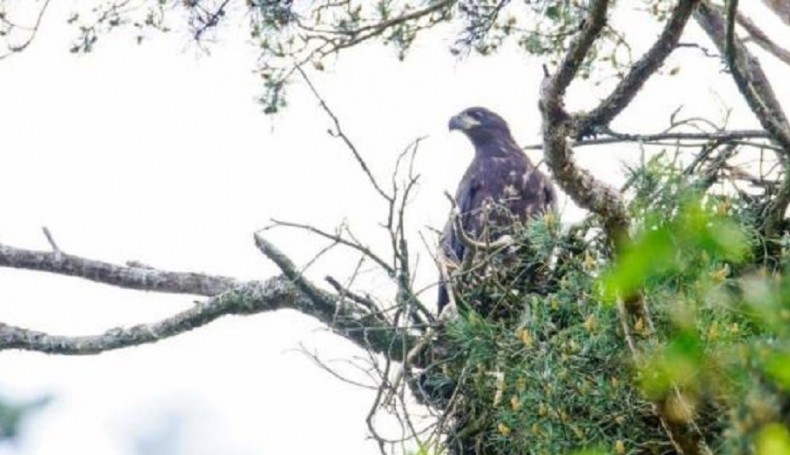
(395, 225)
(324, 366)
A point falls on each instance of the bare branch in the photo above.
(749, 76)
(33, 30)
(246, 298)
(341, 240)
(729, 35)
(338, 132)
(762, 39)
(578, 49)
(713, 136)
(639, 73)
(343, 291)
(323, 365)
(140, 278)
(369, 330)
(226, 296)
(781, 8)
(319, 298)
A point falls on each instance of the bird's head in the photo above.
(480, 124)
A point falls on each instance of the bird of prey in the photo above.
(501, 186)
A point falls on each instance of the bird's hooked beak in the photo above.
(463, 122)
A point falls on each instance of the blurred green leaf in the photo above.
(773, 439)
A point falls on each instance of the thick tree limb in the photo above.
(580, 185)
(639, 73)
(227, 296)
(601, 199)
(577, 51)
(748, 75)
(781, 8)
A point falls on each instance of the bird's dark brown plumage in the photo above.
(500, 186)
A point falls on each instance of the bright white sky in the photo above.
(159, 154)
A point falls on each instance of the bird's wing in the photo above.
(452, 247)
(466, 198)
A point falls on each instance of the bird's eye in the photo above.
(475, 115)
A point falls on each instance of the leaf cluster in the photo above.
(555, 374)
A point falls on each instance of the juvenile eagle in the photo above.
(500, 186)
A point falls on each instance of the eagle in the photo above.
(501, 186)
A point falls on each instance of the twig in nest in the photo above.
(472, 244)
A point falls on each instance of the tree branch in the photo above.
(616, 138)
(580, 185)
(32, 31)
(247, 298)
(639, 73)
(578, 49)
(749, 76)
(338, 132)
(601, 199)
(761, 39)
(227, 296)
(367, 252)
(756, 89)
(131, 277)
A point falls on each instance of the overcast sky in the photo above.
(158, 153)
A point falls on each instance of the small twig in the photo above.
(365, 301)
(33, 31)
(354, 244)
(51, 240)
(472, 244)
(410, 356)
(339, 133)
(314, 357)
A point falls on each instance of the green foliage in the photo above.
(555, 374)
(311, 34)
(12, 414)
